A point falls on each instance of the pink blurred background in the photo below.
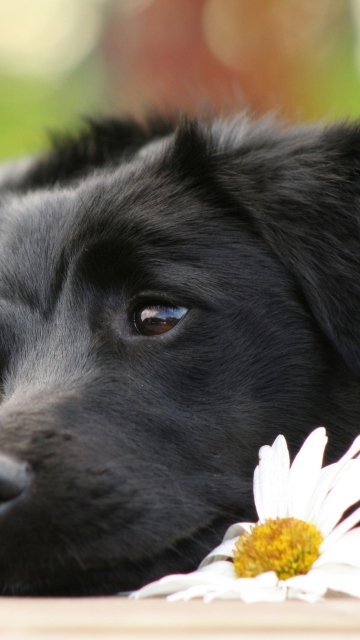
(60, 59)
(283, 55)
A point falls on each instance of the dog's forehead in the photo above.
(137, 209)
(32, 229)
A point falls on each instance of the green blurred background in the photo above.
(61, 59)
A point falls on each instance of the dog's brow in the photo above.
(33, 248)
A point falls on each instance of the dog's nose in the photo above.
(14, 478)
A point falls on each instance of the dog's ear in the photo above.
(301, 191)
(100, 142)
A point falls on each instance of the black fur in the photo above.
(141, 448)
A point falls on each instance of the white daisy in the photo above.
(298, 548)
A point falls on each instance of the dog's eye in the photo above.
(152, 320)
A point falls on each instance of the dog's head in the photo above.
(171, 298)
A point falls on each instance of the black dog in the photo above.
(170, 300)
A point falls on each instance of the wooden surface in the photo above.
(157, 619)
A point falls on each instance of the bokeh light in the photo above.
(47, 37)
(60, 59)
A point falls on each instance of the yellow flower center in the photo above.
(287, 546)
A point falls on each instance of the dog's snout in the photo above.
(14, 478)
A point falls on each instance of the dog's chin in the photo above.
(70, 578)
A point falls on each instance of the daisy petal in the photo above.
(351, 521)
(292, 594)
(262, 588)
(265, 580)
(228, 594)
(312, 582)
(192, 592)
(342, 578)
(238, 529)
(321, 490)
(280, 477)
(215, 581)
(305, 473)
(263, 476)
(328, 477)
(343, 495)
(344, 551)
(261, 583)
(215, 574)
(271, 479)
(350, 453)
(225, 549)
